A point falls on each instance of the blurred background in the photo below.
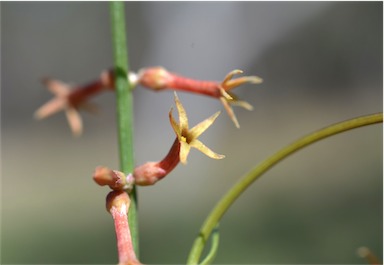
(321, 63)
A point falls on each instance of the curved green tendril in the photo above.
(215, 239)
(227, 200)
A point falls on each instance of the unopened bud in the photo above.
(118, 201)
(116, 180)
(155, 78)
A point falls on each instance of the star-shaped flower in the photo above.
(60, 102)
(151, 172)
(188, 137)
(227, 98)
(71, 99)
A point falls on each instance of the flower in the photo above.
(228, 98)
(151, 172)
(72, 99)
(188, 137)
(158, 78)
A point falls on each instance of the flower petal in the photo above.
(51, 107)
(183, 119)
(184, 151)
(204, 149)
(230, 112)
(235, 101)
(242, 104)
(241, 80)
(225, 94)
(74, 121)
(197, 130)
(231, 74)
(176, 127)
(57, 87)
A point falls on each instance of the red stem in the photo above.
(209, 88)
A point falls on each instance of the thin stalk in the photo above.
(227, 200)
(124, 107)
(214, 247)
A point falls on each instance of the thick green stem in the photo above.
(228, 199)
(124, 107)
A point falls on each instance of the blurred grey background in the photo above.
(321, 62)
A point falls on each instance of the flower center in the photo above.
(185, 137)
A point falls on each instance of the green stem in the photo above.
(124, 107)
(214, 247)
(227, 200)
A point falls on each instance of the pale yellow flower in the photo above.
(188, 137)
(228, 98)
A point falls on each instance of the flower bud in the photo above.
(156, 78)
(116, 180)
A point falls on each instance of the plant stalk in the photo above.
(124, 107)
